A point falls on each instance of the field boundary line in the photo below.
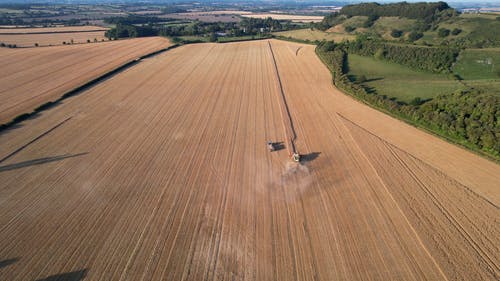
(290, 133)
(35, 139)
(394, 200)
(77, 90)
(424, 162)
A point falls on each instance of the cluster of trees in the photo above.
(435, 59)
(130, 27)
(469, 117)
(425, 11)
(125, 31)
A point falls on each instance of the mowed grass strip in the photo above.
(400, 82)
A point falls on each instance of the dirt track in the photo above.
(162, 173)
(34, 76)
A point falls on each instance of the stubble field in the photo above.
(52, 39)
(162, 173)
(34, 76)
(57, 29)
(294, 18)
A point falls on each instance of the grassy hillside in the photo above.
(398, 81)
(313, 35)
(465, 30)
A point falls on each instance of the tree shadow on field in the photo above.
(7, 262)
(309, 157)
(38, 161)
(68, 276)
(374, 79)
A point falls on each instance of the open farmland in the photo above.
(294, 18)
(161, 173)
(46, 36)
(34, 76)
(52, 39)
(57, 29)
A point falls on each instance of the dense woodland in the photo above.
(426, 11)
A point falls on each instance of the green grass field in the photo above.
(400, 82)
(480, 69)
(313, 35)
(478, 64)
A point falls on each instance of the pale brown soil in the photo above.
(294, 18)
(203, 16)
(34, 76)
(52, 39)
(162, 173)
(52, 29)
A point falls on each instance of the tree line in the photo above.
(138, 26)
(468, 117)
(423, 10)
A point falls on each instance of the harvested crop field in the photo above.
(162, 173)
(294, 18)
(34, 30)
(34, 76)
(203, 16)
(52, 39)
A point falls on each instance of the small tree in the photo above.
(88, 40)
(36, 44)
(379, 54)
(350, 28)
(361, 79)
(213, 37)
(414, 36)
(456, 31)
(443, 32)
(416, 101)
(396, 33)
(328, 46)
(64, 42)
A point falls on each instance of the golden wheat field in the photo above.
(34, 76)
(161, 172)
